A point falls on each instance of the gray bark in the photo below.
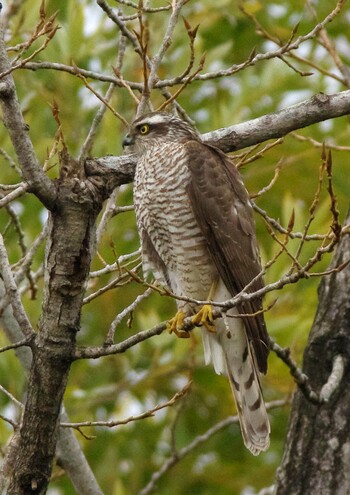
(67, 266)
(317, 453)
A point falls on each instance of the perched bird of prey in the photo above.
(198, 238)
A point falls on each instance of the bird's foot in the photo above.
(205, 317)
(175, 325)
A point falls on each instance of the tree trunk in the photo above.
(68, 255)
(317, 454)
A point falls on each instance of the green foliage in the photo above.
(124, 458)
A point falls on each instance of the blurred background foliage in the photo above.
(149, 374)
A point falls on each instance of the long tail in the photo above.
(229, 351)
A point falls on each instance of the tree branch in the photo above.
(178, 455)
(18, 130)
(12, 292)
(277, 124)
(120, 170)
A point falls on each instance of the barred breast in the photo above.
(163, 210)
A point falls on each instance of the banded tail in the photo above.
(229, 351)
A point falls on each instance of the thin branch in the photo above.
(302, 380)
(97, 352)
(39, 183)
(328, 45)
(272, 182)
(116, 266)
(334, 379)
(318, 144)
(114, 16)
(103, 99)
(284, 49)
(108, 213)
(183, 86)
(123, 279)
(24, 342)
(146, 414)
(244, 160)
(12, 398)
(9, 421)
(148, 10)
(157, 59)
(117, 320)
(12, 292)
(222, 308)
(277, 226)
(87, 145)
(178, 455)
(16, 193)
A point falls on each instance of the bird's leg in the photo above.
(175, 325)
(205, 317)
(205, 314)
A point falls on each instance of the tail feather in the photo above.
(231, 355)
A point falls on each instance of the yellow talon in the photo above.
(175, 325)
(205, 317)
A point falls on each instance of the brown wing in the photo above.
(221, 206)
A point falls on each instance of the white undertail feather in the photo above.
(229, 351)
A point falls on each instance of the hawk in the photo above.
(197, 236)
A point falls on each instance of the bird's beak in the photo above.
(128, 140)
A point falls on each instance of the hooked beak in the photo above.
(128, 140)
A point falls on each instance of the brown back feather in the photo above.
(221, 206)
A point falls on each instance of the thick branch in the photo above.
(275, 125)
(18, 130)
(120, 170)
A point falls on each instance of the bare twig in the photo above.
(301, 379)
(318, 144)
(12, 292)
(329, 46)
(157, 59)
(117, 264)
(103, 99)
(122, 280)
(282, 50)
(117, 320)
(272, 182)
(221, 307)
(178, 455)
(10, 396)
(115, 17)
(21, 343)
(148, 10)
(334, 379)
(39, 183)
(16, 193)
(277, 226)
(87, 145)
(9, 421)
(147, 414)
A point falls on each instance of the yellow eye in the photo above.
(144, 129)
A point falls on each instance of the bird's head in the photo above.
(157, 128)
